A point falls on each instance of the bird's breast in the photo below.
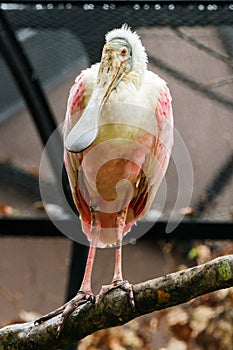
(126, 136)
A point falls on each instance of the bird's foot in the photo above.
(124, 285)
(67, 309)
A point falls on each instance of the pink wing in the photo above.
(164, 116)
(75, 103)
(72, 161)
(162, 150)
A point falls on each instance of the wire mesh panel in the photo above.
(189, 45)
(90, 21)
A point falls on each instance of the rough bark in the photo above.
(152, 295)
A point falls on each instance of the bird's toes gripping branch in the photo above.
(123, 285)
(67, 309)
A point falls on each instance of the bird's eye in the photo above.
(124, 51)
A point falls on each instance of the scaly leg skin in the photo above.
(65, 310)
(85, 293)
(118, 281)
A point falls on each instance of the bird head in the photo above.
(115, 63)
(134, 55)
(123, 58)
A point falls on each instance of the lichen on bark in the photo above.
(157, 294)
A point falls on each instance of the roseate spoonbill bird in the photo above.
(118, 135)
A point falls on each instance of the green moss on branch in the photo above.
(156, 294)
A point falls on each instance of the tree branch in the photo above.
(156, 294)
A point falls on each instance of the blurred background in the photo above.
(191, 47)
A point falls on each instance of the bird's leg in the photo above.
(117, 280)
(95, 230)
(120, 223)
(85, 292)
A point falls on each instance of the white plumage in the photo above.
(118, 136)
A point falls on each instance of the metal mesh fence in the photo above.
(190, 45)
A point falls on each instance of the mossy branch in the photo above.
(156, 294)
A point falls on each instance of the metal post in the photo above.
(31, 90)
(28, 83)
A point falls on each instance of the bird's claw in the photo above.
(67, 309)
(123, 285)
